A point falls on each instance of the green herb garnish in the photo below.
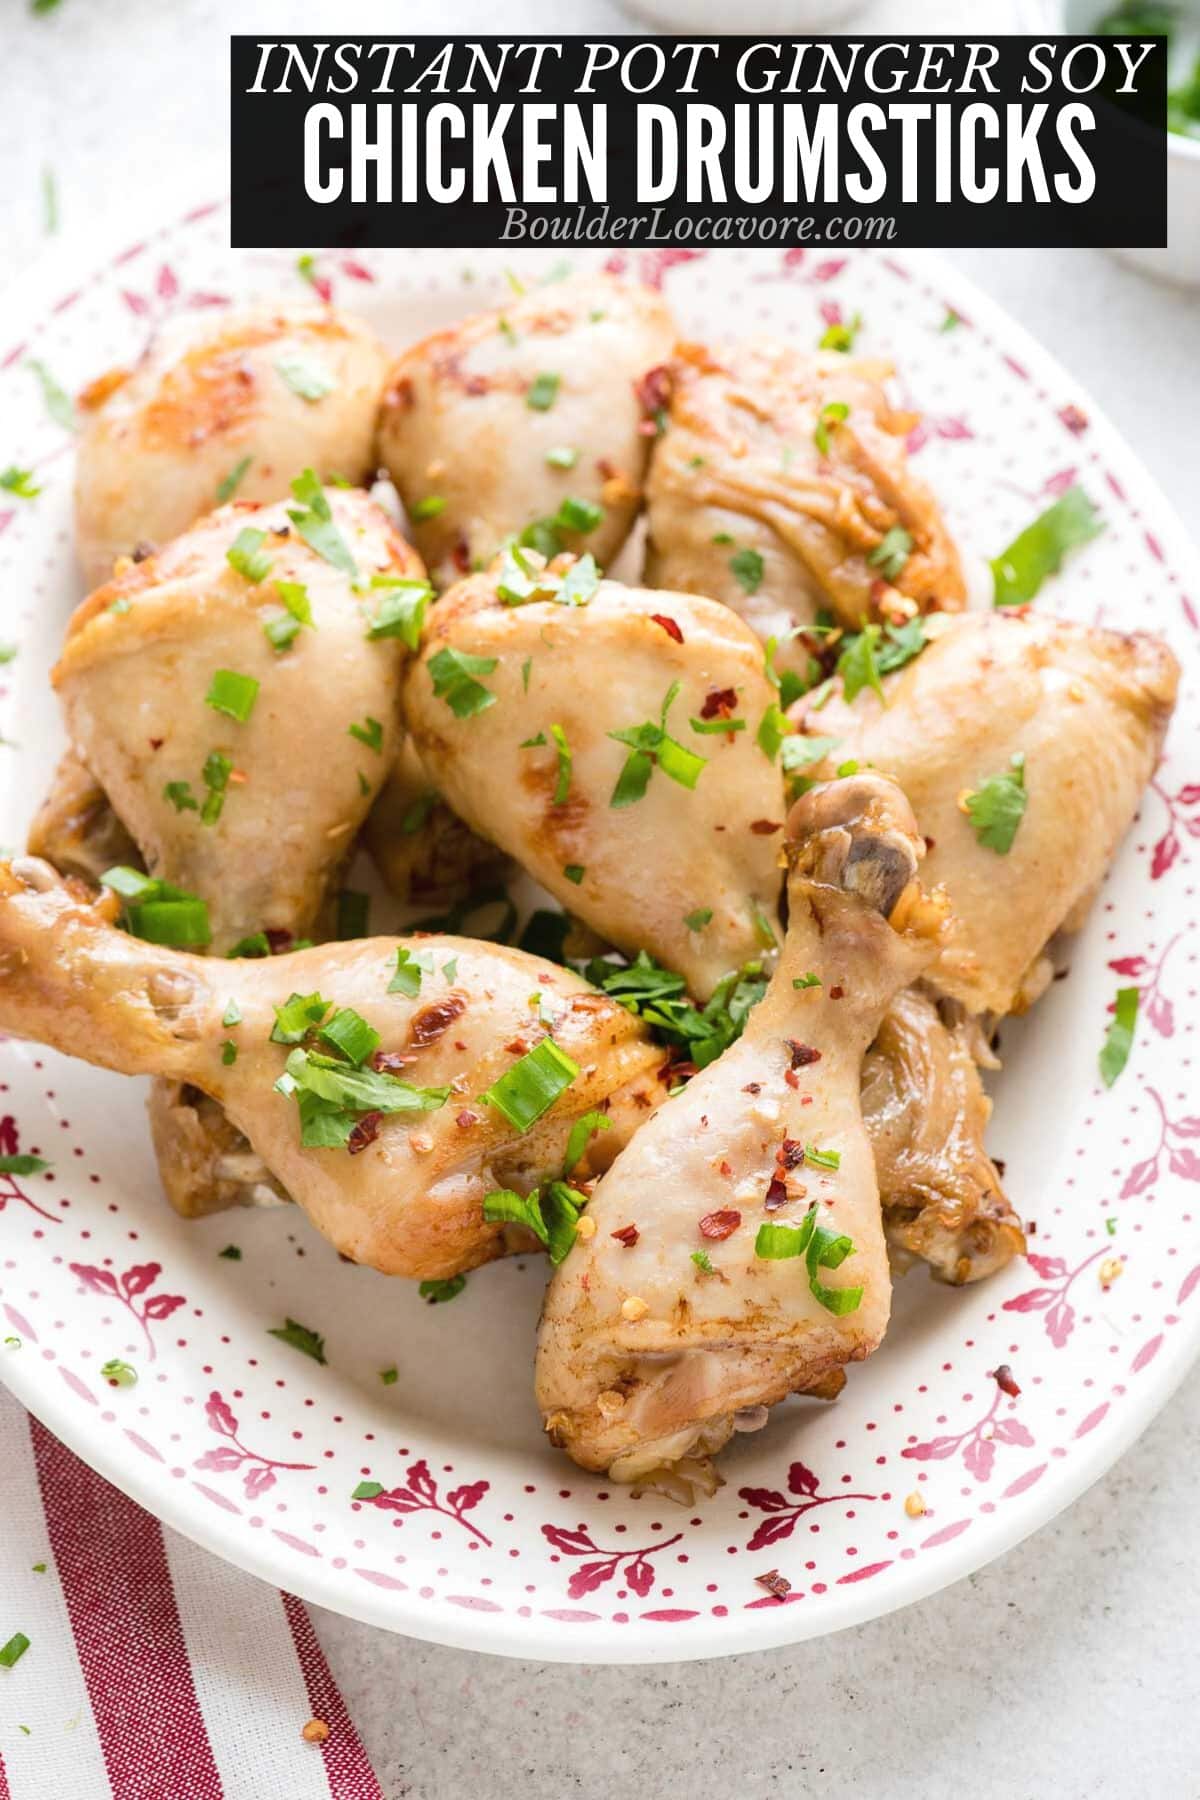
(118, 1373)
(696, 921)
(649, 744)
(841, 334)
(582, 1132)
(551, 1213)
(306, 376)
(1038, 551)
(438, 1292)
(232, 694)
(997, 808)
(453, 675)
(247, 556)
(746, 566)
(530, 1088)
(834, 412)
(19, 482)
(542, 391)
(821, 1249)
(313, 519)
(309, 1343)
(12, 1652)
(1118, 1040)
(892, 552)
(401, 612)
(228, 486)
(370, 733)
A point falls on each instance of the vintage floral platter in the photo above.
(482, 1535)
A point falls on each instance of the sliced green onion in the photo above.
(232, 694)
(542, 391)
(429, 508)
(401, 613)
(582, 1132)
(306, 376)
(299, 1015)
(349, 1032)
(1118, 1040)
(228, 486)
(530, 1088)
(247, 556)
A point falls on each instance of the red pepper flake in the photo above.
(790, 1153)
(930, 844)
(999, 1164)
(777, 1194)
(157, 743)
(628, 1235)
(143, 550)
(461, 554)
(1005, 1380)
(389, 1062)
(432, 1022)
(719, 1225)
(466, 1119)
(669, 626)
(766, 827)
(365, 1132)
(752, 1087)
(653, 389)
(791, 1077)
(278, 939)
(835, 993)
(516, 1047)
(775, 1583)
(802, 1054)
(719, 703)
(724, 1169)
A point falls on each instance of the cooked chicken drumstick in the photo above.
(781, 486)
(242, 405)
(609, 744)
(389, 1045)
(675, 1315)
(539, 411)
(239, 746)
(1085, 709)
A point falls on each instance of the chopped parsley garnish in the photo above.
(12, 1652)
(551, 1213)
(649, 744)
(800, 752)
(876, 650)
(429, 508)
(22, 1164)
(746, 566)
(574, 872)
(997, 808)
(530, 1088)
(773, 729)
(229, 1052)
(231, 1253)
(526, 671)
(702, 1262)
(542, 391)
(891, 553)
(309, 1343)
(299, 1015)
(59, 404)
(228, 486)
(562, 457)
(806, 981)
(367, 1490)
(951, 319)
(215, 775)
(821, 1249)
(562, 785)
(834, 412)
(763, 930)
(438, 1292)
(232, 694)
(257, 944)
(283, 628)
(1118, 1041)
(658, 996)
(578, 515)
(306, 376)
(331, 1093)
(409, 969)
(180, 794)
(453, 675)
(522, 579)
(353, 914)
(19, 482)
(401, 612)
(118, 1373)
(389, 1377)
(696, 921)
(370, 733)
(247, 556)
(1110, 1225)
(841, 334)
(156, 912)
(582, 1132)
(788, 684)
(1038, 551)
(313, 519)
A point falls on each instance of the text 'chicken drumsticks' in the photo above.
(737, 1254)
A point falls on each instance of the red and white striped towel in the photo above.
(154, 1672)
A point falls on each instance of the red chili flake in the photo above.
(790, 1153)
(752, 1087)
(719, 1225)
(462, 556)
(1000, 1165)
(157, 743)
(606, 466)
(930, 844)
(724, 1169)
(766, 827)
(365, 1132)
(389, 1062)
(653, 389)
(775, 1583)
(802, 1054)
(777, 1194)
(143, 550)
(1005, 1380)
(791, 1077)
(433, 1021)
(400, 394)
(878, 589)
(835, 993)
(719, 703)
(465, 1118)
(669, 626)
(628, 1235)
(516, 1047)
(278, 939)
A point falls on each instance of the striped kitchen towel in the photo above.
(153, 1670)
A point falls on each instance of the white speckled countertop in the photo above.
(1067, 1669)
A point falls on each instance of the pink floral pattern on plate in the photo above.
(479, 1532)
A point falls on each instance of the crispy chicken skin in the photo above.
(139, 660)
(159, 439)
(926, 1112)
(1087, 709)
(610, 665)
(471, 413)
(645, 1359)
(739, 469)
(410, 1203)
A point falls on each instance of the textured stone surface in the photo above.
(1067, 1669)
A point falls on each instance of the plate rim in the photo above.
(73, 260)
